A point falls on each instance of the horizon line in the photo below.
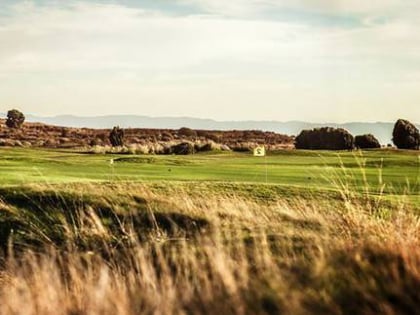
(214, 119)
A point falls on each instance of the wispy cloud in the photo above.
(90, 36)
(253, 7)
(219, 54)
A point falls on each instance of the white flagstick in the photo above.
(111, 163)
(266, 168)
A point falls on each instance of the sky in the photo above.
(313, 60)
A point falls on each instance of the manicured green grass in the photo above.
(397, 171)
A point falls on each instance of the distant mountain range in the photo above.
(382, 130)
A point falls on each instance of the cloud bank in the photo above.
(233, 59)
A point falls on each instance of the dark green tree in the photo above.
(325, 138)
(367, 142)
(406, 135)
(15, 119)
(116, 137)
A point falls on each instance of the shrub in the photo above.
(214, 137)
(116, 137)
(406, 135)
(95, 142)
(168, 149)
(103, 136)
(242, 147)
(15, 119)
(326, 138)
(64, 132)
(187, 132)
(51, 143)
(207, 146)
(367, 142)
(202, 133)
(225, 147)
(166, 136)
(183, 148)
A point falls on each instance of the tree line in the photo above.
(405, 135)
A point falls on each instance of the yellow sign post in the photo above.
(259, 151)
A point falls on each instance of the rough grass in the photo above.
(133, 248)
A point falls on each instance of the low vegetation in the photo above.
(146, 141)
(126, 248)
(189, 141)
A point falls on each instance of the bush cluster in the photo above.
(183, 148)
(325, 139)
(405, 136)
(367, 142)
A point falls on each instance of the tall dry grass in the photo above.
(132, 250)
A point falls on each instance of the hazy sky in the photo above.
(314, 60)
